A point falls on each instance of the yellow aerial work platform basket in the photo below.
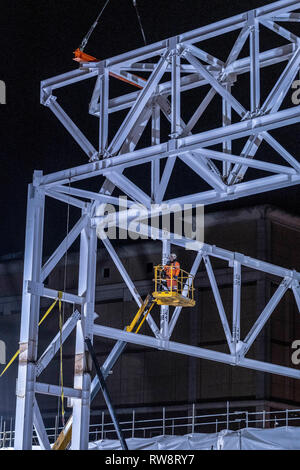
(176, 291)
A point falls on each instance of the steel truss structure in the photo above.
(169, 68)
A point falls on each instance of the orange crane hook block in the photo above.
(81, 56)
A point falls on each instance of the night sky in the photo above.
(37, 41)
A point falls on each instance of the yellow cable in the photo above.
(40, 322)
(48, 311)
(10, 362)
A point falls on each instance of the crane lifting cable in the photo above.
(88, 35)
(80, 56)
(92, 28)
(140, 21)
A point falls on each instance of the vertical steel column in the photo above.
(164, 309)
(29, 318)
(103, 115)
(193, 364)
(254, 63)
(83, 366)
(175, 103)
(155, 139)
(236, 311)
(226, 121)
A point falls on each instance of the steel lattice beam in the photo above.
(172, 67)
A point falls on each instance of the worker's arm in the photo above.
(176, 269)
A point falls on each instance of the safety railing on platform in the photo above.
(167, 423)
(174, 280)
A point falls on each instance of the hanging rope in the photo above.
(88, 35)
(140, 21)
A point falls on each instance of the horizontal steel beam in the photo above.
(66, 199)
(238, 67)
(287, 17)
(201, 353)
(36, 288)
(103, 198)
(257, 186)
(282, 6)
(55, 390)
(65, 79)
(193, 142)
(89, 70)
(221, 253)
(258, 164)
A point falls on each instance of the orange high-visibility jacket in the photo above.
(172, 269)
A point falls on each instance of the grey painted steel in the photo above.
(40, 428)
(39, 289)
(236, 307)
(218, 301)
(55, 390)
(248, 24)
(82, 370)
(54, 346)
(194, 351)
(29, 321)
(265, 315)
(161, 92)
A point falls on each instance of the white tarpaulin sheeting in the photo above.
(283, 438)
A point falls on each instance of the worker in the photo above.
(172, 270)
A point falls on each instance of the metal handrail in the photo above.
(184, 281)
(163, 424)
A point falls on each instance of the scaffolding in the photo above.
(171, 67)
